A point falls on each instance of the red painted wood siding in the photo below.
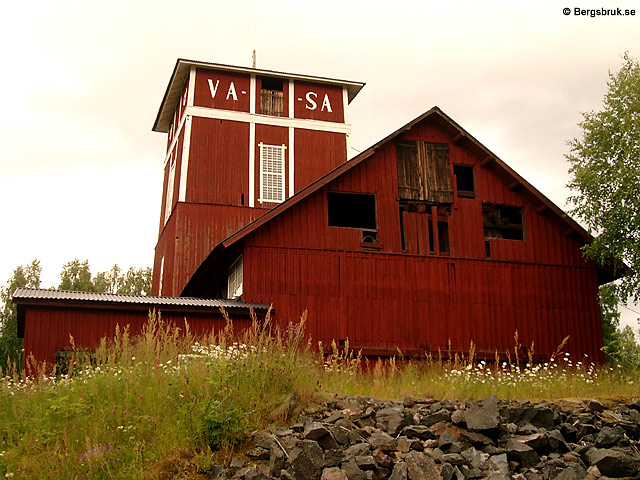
(334, 94)
(190, 235)
(541, 286)
(47, 329)
(202, 92)
(316, 153)
(380, 301)
(218, 162)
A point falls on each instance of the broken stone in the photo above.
(306, 460)
(521, 453)
(609, 436)
(418, 431)
(383, 441)
(614, 463)
(421, 467)
(483, 416)
(391, 420)
(333, 473)
(399, 471)
(358, 449)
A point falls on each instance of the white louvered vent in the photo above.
(272, 173)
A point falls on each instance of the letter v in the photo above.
(212, 88)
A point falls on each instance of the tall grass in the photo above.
(143, 405)
(163, 404)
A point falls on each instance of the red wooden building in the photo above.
(240, 140)
(47, 318)
(424, 242)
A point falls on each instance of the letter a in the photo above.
(325, 103)
(311, 104)
(232, 92)
(213, 88)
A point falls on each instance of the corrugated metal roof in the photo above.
(44, 295)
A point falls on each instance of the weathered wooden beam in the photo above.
(513, 185)
(542, 209)
(457, 138)
(486, 161)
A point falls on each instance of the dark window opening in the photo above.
(432, 243)
(501, 221)
(355, 210)
(443, 237)
(272, 97)
(487, 248)
(270, 83)
(464, 181)
(403, 239)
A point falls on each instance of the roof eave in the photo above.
(180, 75)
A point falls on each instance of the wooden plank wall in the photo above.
(47, 329)
(540, 286)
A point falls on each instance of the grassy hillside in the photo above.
(165, 403)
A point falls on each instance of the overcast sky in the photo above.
(81, 170)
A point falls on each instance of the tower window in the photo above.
(272, 173)
(272, 97)
(356, 210)
(234, 280)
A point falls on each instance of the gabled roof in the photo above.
(181, 74)
(460, 137)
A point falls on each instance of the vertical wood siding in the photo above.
(202, 93)
(47, 329)
(540, 286)
(218, 162)
(334, 94)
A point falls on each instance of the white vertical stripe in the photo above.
(184, 167)
(292, 190)
(252, 163)
(345, 107)
(291, 98)
(192, 86)
(252, 94)
(345, 104)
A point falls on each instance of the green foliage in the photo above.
(10, 344)
(619, 346)
(622, 349)
(610, 313)
(135, 281)
(604, 167)
(76, 275)
(221, 424)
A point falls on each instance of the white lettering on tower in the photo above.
(232, 92)
(213, 88)
(325, 103)
(311, 104)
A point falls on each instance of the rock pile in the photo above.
(361, 438)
